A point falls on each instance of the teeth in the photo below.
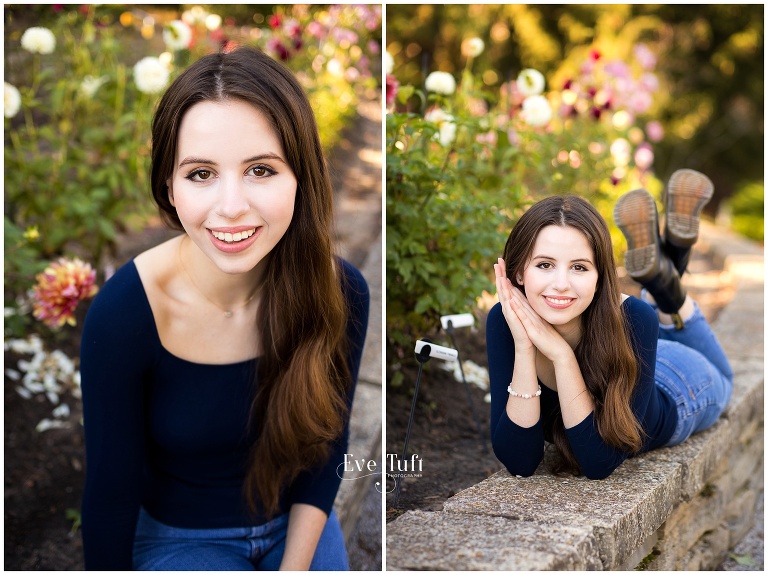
(557, 301)
(231, 238)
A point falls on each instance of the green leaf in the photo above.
(107, 229)
(745, 559)
(75, 517)
(423, 304)
(404, 93)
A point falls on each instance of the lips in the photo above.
(235, 239)
(559, 302)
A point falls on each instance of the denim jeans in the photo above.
(160, 547)
(691, 368)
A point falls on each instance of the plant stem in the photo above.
(119, 93)
(439, 177)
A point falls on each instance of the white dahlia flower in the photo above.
(446, 126)
(530, 82)
(90, 85)
(38, 40)
(177, 35)
(537, 111)
(389, 63)
(472, 47)
(440, 83)
(151, 75)
(11, 100)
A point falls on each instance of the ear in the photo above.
(519, 280)
(170, 192)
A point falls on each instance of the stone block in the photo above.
(421, 540)
(748, 271)
(746, 404)
(370, 364)
(739, 327)
(708, 553)
(722, 243)
(745, 468)
(750, 431)
(364, 443)
(740, 516)
(639, 556)
(698, 456)
(687, 524)
(623, 509)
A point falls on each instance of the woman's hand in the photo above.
(541, 333)
(504, 290)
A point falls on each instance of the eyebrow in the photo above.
(195, 160)
(543, 257)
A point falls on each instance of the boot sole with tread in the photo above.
(688, 191)
(635, 215)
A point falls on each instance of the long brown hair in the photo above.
(300, 404)
(604, 353)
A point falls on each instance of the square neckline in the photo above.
(166, 351)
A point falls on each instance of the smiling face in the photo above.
(231, 186)
(560, 278)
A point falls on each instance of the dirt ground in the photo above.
(44, 474)
(444, 433)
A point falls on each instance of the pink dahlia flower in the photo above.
(60, 288)
(392, 87)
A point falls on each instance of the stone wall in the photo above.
(678, 508)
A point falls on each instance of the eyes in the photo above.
(548, 266)
(203, 175)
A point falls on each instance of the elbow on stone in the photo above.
(597, 474)
(520, 469)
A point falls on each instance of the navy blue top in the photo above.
(171, 435)
(521, 449)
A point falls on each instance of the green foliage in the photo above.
(746, 210)
(647, 560)
(75, 163)
(445, 221)
(75, 517)
(745, 560)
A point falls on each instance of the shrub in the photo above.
(746, 211)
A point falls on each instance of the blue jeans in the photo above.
(691, 368)
(160, 547)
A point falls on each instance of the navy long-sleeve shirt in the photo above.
(171, 435)
(521, 449)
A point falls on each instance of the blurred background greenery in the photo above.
(710, 69)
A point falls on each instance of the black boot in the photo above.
(665, 287)
(636, 216)
(688, 191)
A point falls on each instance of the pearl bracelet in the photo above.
(523, 395)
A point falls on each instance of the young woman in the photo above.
(218, 368)
(575, 362)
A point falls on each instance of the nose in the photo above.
(561, 281)
(233, 200)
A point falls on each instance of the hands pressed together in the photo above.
(528, 329)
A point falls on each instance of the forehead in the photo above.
(226, 126)
(562, 242)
